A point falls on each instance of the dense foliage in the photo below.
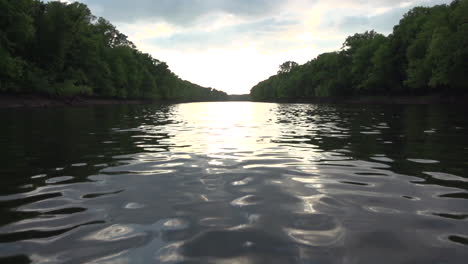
(427, 53)
(62, 49)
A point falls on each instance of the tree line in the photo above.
(427, 53)
(61, 49)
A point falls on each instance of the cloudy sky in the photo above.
(231, 45)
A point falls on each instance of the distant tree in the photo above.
(62, 49)
(427, 52)
(352, 43)
(287, 66)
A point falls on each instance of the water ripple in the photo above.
(235, 183)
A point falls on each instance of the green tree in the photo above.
(287, 67)
(427, 52)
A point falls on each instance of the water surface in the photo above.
(234, 183)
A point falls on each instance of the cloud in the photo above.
(381, 23)
(382, 20)
(263, 30)
(180, 12)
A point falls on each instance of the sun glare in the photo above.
(232, 126)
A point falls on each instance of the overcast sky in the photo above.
(231, 45)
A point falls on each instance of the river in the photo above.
(234, 182)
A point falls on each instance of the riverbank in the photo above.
(20, 100)
(420, 100)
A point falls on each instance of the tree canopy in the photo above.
(426, 53)
(61, 49)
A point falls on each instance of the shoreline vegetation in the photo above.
(58, 54)
(425, 55)
(383, 100)
(44, 101)
(60, 49)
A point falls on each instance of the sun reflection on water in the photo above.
(226, 128)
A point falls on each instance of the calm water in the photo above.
(234, 183)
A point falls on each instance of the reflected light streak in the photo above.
(232, 127)
(316, 238)
(113, 233)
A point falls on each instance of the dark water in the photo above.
(234, 183)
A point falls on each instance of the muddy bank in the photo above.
(15, 101)
(433, 99)
(20, 100)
